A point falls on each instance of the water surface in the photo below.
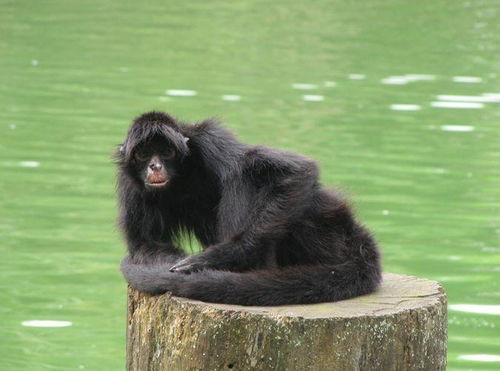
(353, 85)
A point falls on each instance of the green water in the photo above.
(74, 73)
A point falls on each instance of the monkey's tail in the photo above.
(289, 285)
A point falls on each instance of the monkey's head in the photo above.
(153, 151)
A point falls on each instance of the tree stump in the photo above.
(403, 326)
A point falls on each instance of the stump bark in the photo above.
(403, 326)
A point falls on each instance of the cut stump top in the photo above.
(396, 293)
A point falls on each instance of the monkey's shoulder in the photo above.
(278, 160)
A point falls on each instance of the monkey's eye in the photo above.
(141, 156)
(168, 155)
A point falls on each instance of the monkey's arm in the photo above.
(154, 253)
(141, 226)
(286, 184)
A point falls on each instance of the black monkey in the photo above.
(271, 234)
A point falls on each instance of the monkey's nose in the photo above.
(155, 166)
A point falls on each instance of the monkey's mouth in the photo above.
(157, 182)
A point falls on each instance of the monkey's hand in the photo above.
(193, 263)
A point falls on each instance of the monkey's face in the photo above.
(153, 151)
(155, 163)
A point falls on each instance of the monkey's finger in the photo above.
(182, 263)
(186, 267)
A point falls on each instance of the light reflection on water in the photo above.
(480, 357)
(406, 107)
(231, 97)
(299, 85)
(181, 93)
(425, 180)
(457, 128)
(313, 98)
(46, 323)
(469, 98)
(476, 308)
(467, 79)
(469, 105)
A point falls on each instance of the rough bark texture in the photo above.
(403, 326)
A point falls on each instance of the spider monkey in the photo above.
(271, 234)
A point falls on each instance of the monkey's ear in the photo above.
(183, 148)
(119, 153)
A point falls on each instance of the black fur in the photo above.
(271, 234)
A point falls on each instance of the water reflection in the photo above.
(476, 308)
(46, 323)
(181, 93)
(466, 105)
(404, 122)
(405, 107)
(467, 79)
